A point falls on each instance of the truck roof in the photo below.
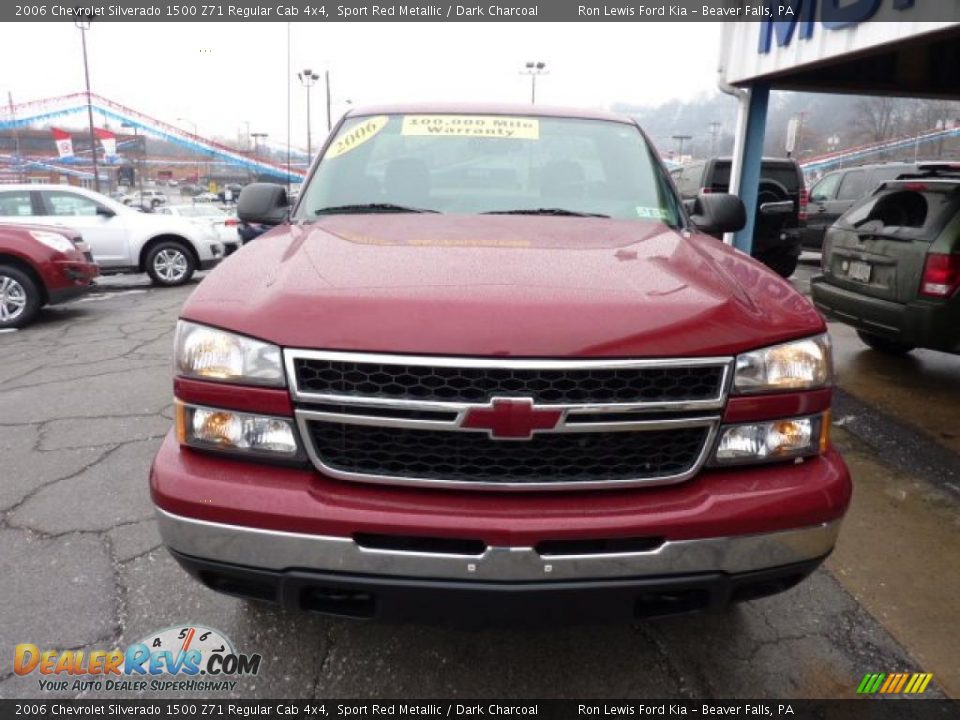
(446, 108)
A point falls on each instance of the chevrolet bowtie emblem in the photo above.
(511, 419)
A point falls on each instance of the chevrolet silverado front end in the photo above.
(488, 368)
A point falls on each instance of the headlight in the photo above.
(798, 365)
(211, 354)
(241, 433)
(774, 440)
(54, 241)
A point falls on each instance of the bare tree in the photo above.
(879, 118)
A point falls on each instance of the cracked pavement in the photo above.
(85, 398)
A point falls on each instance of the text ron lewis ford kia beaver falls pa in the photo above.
(488, 367)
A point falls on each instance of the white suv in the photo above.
(148, 198)
(122, 239)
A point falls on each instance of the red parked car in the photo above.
(488, 367)
(40, 266)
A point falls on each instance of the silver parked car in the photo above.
(122, 239)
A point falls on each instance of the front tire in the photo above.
(882, 344)
(170, 264)
(20, 298)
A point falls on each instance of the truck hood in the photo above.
(500, 285)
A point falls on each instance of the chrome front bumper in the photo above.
(278, 551)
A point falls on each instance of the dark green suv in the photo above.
(891, 264)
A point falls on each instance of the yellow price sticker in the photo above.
(356, 136)
(494, 126)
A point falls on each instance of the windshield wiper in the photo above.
(546, 211)
(360, 209)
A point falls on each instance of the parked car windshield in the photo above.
(490, 164)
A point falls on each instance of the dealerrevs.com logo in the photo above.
(181, 658)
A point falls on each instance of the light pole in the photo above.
(84, 25)
(681, 139)
(326, 80)
(195, 134)
(308, 79)
(533, 69)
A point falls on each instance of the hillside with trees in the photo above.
(828, 122)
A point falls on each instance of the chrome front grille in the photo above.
(478, 383)
(506, 424)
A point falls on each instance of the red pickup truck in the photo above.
(488, 367)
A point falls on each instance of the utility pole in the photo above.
(680, 140)
(714, 132)
(534, 69)
(84, 25)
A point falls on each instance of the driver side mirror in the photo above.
(105, 212)
(718, 213)
(263, 203)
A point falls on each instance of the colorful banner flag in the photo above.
(108, 140)
(64, 142)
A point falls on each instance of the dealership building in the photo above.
(902, 48)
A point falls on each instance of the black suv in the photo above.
(776, 239)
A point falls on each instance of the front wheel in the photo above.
(20, 298)
(882, 344)
(170, 264)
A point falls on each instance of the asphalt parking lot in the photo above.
(85, 398)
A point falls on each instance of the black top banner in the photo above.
(343, 709)
(831, 11)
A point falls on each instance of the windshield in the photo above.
(489, 164)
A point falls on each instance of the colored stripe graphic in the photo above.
(894, 683)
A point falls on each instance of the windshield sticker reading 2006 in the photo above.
(356, 136)
(494, 126)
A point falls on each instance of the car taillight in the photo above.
(231, 222)
(804, 202)
(941, 276)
